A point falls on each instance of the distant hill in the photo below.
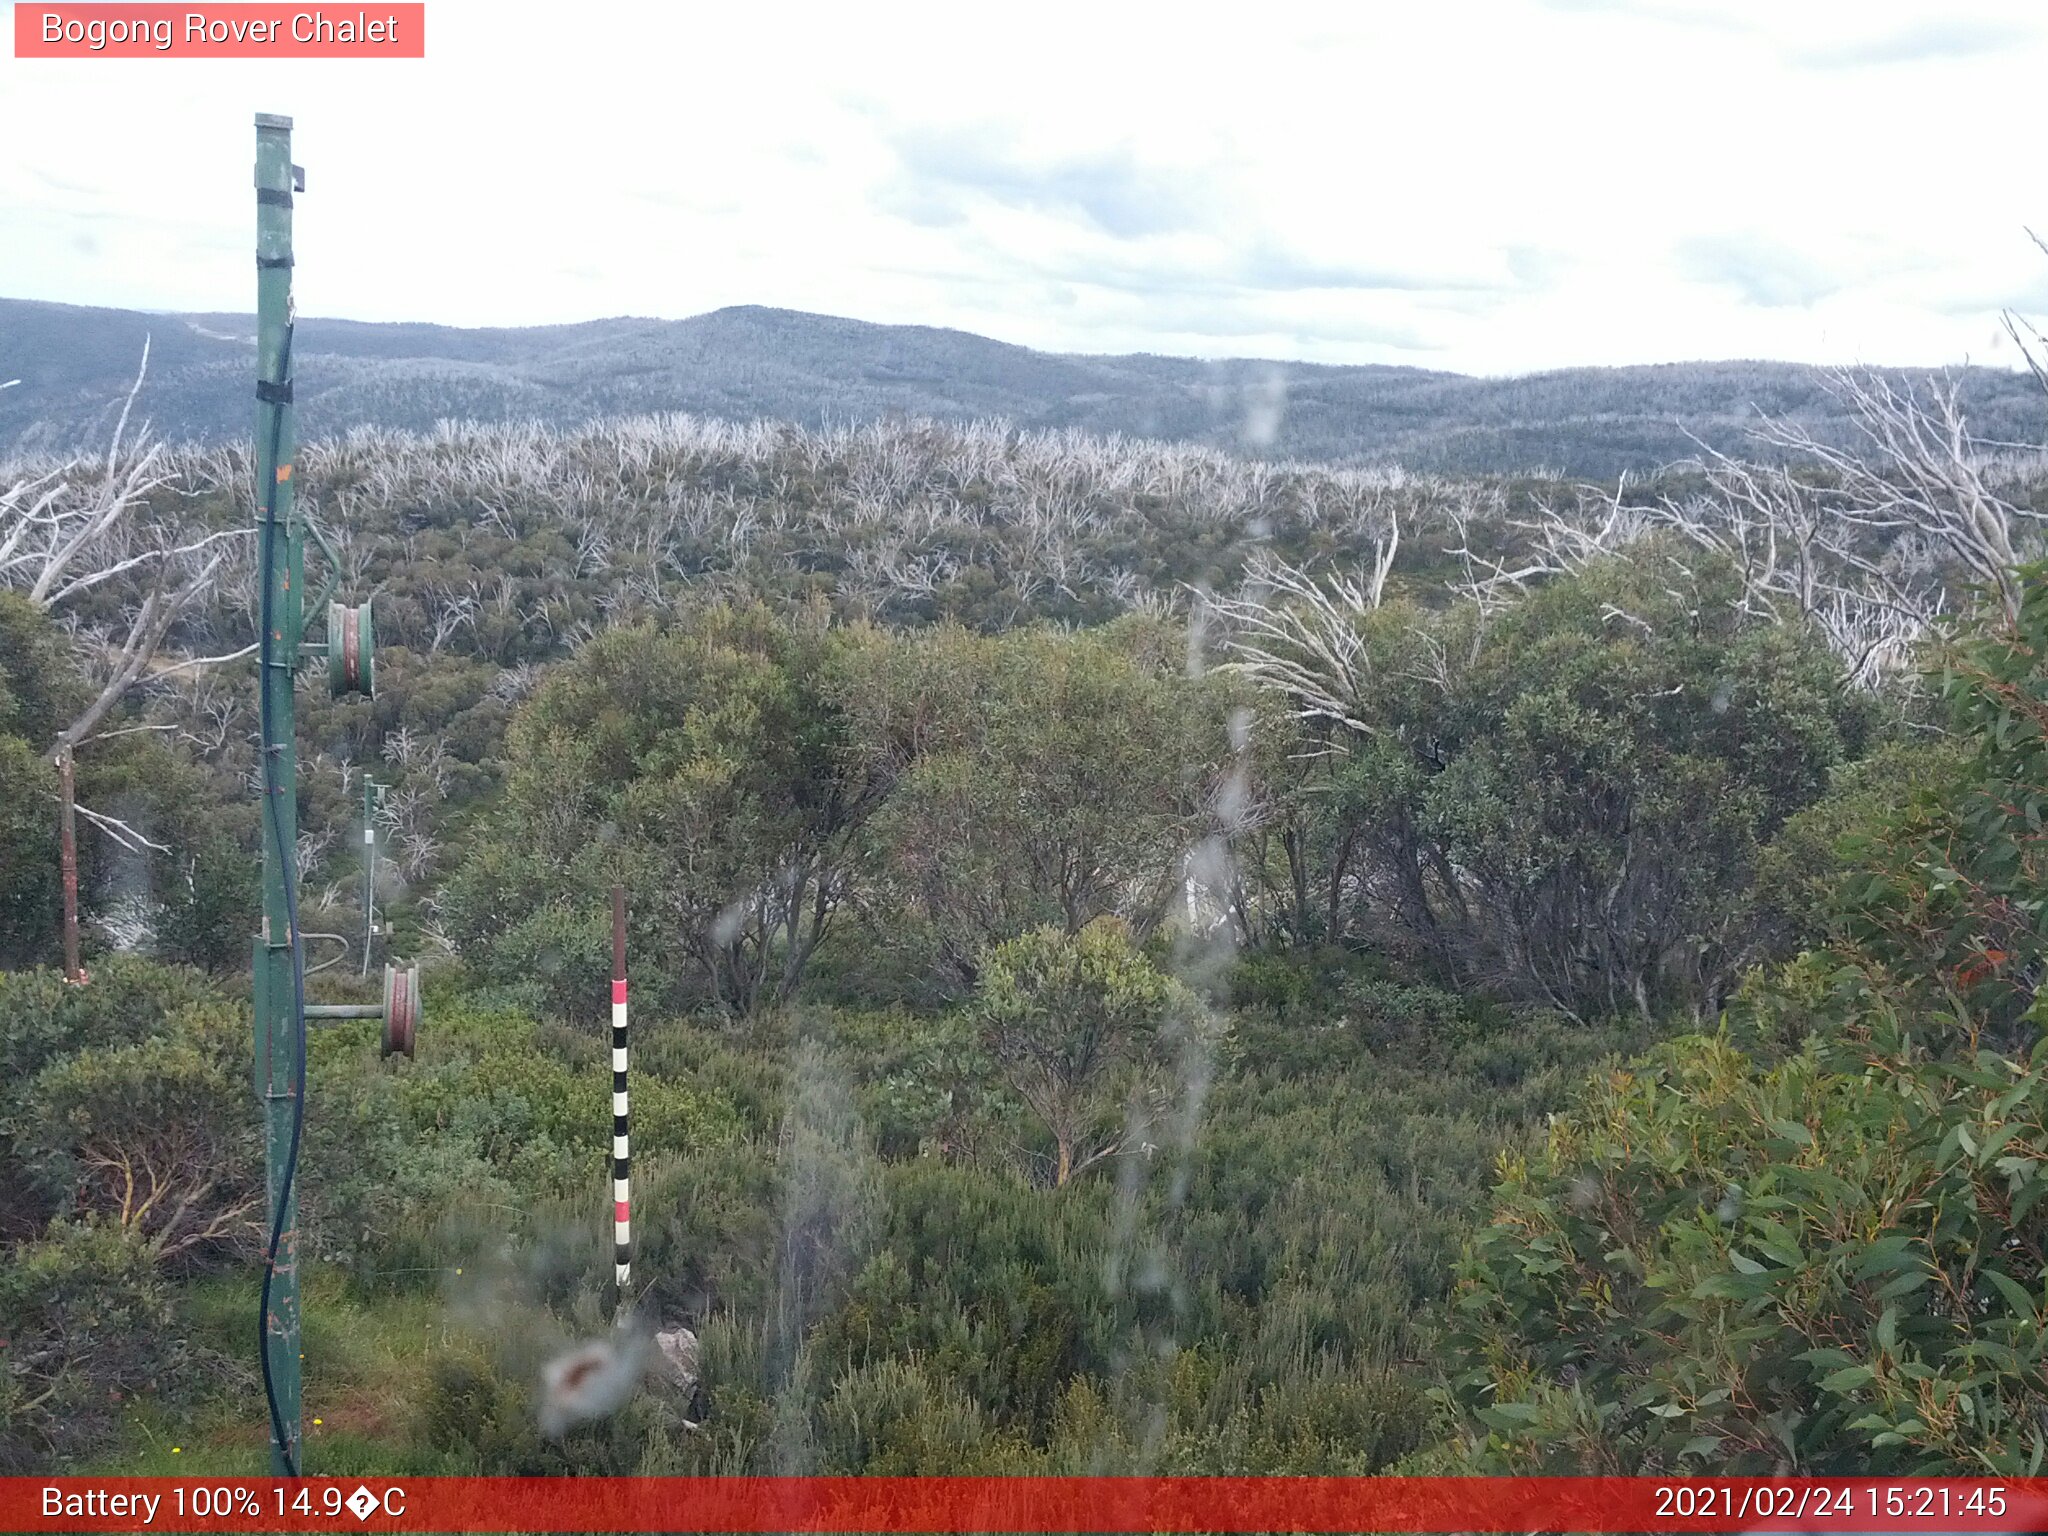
(74, 364)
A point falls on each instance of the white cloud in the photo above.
(1493, 186)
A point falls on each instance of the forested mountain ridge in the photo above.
(749, 363)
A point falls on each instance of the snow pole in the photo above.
(622, 1156)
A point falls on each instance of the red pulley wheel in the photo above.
(401, 1009)
(351, 651)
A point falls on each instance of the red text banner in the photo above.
(114, 31)
(976, 1504)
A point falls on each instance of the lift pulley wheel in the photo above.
(401, 1009)
(351, 667)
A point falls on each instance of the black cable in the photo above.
(272, 791)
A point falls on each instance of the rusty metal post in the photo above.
(67, 856)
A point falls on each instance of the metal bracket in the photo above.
(318, 604)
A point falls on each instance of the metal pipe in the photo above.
(344, 1010)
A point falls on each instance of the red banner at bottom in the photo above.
(1023, 1504)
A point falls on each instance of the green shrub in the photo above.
(1083, 1028)
(210, 907)
(89, 1323)
(157, 1136)
(893, 1419)
(1831, 1264)
(42, 1018)
(474, 1408)
(706, 1226)
(32, 892)
(1826, 1256)
(128, 999)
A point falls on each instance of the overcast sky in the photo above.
(1492, 187)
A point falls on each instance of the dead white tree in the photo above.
(1561, 540)
(453, 610)
(1860, 543)
(1288, 631)
(2026, 335)
(516, 682)
(90, 526)
(1805, 555)
(1917, 469)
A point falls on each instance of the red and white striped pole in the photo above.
(622, 1156)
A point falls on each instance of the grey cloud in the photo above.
(1537, 266)
(2030, 298)
(1274, 270)
(942, 174)
(1231, 322)
(1956, 37)
(925, 206)
(1109, 190)
(1260, 269)
(685, 200)
(59, 184)
(1764, 273)
(1401, 338)
(1635, 10)
(1219, 296)
(1162, 303)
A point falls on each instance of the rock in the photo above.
(675, 1358)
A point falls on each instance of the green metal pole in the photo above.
(278, 1023)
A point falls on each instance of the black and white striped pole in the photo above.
(622, 1154)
